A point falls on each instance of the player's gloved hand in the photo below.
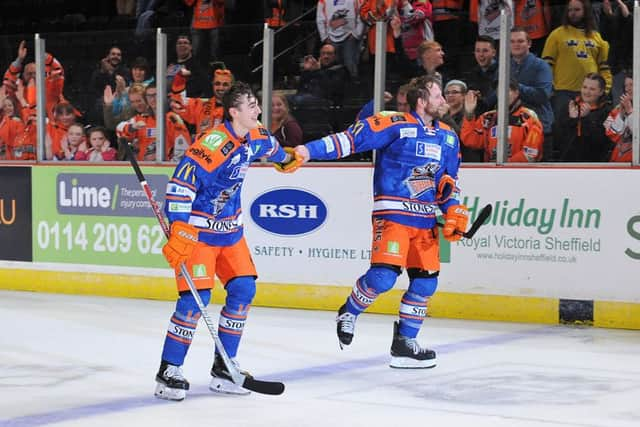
(182, 241)
(295, 161)
(455, 222)
(445, 188)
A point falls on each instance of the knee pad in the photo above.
(186, 305)
(240, 292)
(423, 286)
(381, 278)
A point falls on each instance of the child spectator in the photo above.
(100, 149)
(73, 143)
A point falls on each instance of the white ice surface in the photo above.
(91, 361)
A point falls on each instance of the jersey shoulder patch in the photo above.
(385, 119)
(258, 133)
(212, 149)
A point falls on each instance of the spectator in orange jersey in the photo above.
(525, 130)
(140, 131)
(11, 125)
(274, 13)
(283, 125)
(100, 149)
(534, 16)
(24, 146)
(203, 113)
(16, 86)
(372, 11)
(618, 124)
(208, 17)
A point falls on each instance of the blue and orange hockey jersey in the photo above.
(411, 160)
(205, 188)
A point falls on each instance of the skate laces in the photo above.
(412, 343)
(347, 322)
(174, 372)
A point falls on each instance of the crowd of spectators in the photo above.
(570, 65)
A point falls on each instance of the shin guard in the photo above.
(240, 293)
(182, 326)
(374, 282)
(413, 307)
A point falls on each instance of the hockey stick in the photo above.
(482, 217)
(245, 380)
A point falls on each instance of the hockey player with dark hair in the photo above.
(415, 174)
(203, 207)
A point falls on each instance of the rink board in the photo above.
(562, 245)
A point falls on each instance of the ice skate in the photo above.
(221, 381)
(346, 324)
(407, 353)
(171, 384)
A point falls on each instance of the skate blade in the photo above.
(408, 363)
(166, 393)
(220, 385)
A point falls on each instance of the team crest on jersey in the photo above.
(213, 140)
(422, 179)
(426, 149)
(222, 199)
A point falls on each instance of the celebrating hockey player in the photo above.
(415, 173)
(203, 207)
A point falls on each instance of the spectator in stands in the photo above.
(482, 77)
(136, 105)
(431, 57)
(203, 113)
(448, 28)
(583, 132)
(11, 125)
(274, 11)
(283, 125)
(16, 85)
(208, 17)
(525, 130)
(616, 26)
(534, 78)
(415, 16)
(74, 143)
(196, 86)
(339, 24)
(618, 124)
(323, 78)
(100, 149)
(372, 11)
(455, 92)
(110, 66)
(486, 14)
(140, 131)
(575, 50)
(534, 16)
(105, 75)
(64, 115)
(140, 74)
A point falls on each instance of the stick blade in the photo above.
(482, 217)
(263, 387)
